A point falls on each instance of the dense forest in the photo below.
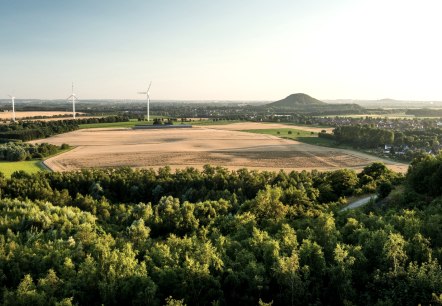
(402, 143)
(368, 137)
(363, 136)
(219, 237)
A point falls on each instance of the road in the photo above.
(359, 203)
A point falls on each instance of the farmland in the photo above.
(221, 145)
(20, 115)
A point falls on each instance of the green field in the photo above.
(127, 124)
(299, 135)
(31, 166)
(211, 122)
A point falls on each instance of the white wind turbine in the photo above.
(13, 107)
(73, 98)
(148, 100)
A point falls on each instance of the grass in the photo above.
(299, 135)
(127, 124)
(31, 166)
(211, 122)
(284, 132)
(321, 126)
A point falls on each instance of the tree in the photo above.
(267, 204)
(394, 250)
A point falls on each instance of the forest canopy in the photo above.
(220, 237)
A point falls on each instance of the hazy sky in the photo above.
(221, 50)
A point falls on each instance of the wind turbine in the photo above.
(148, 100)
(73, 98)
(13, 107)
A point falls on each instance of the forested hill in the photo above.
(303, 103)
(217, 237)
(299, 99)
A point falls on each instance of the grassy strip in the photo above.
(127, 124)
(299, 135)
(315, 126)
(29, 166)
(211, 122)
(284, 132)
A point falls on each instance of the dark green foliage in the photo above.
(425, 175)
(215, 237)
(15, 151)
(363, 136)
(384, 189)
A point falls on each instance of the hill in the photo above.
(302, 103)
(295, 100)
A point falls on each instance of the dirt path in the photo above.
(359, 203)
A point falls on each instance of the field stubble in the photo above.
(222, 145)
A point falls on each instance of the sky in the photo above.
(221, 50)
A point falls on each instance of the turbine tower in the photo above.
(73, 98)
(13, 107)
(148, 100)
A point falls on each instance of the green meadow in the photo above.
(32, 166)
(127, 124)
(295, 134)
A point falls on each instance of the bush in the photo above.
(384, 189)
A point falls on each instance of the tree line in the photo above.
(411, 142)
(30, 130)
(15, 151)
(362, 136)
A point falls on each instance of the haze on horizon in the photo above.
(221, 50)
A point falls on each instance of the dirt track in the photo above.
(216, 145)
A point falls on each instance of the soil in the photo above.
(223, 145)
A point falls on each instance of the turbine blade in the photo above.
(150, 84)
(72, 96)
(142, 93)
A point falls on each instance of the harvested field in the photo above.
(196, 147)
(19, 115)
